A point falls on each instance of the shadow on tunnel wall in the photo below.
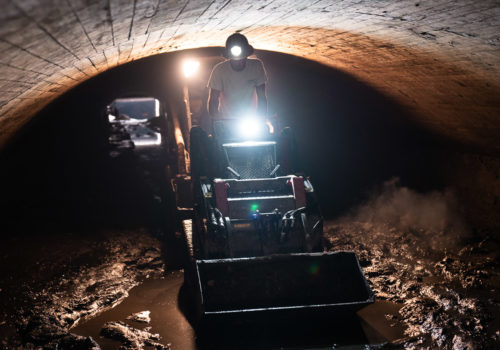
(56, 171)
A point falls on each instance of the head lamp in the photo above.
(236, 51)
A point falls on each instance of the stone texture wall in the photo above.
(439, 58)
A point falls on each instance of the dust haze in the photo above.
(432, 215)
(418, 253)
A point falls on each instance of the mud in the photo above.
(78, 278)
(446, 277)
(436, 283)
(142, 317)
(160, 296)
(130, 337)
(165, 298)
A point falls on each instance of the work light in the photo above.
(251, 127)
(190, 67)
(236, 51)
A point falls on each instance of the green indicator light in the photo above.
(314, 269)
(254, 207)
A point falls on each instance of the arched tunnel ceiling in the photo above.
(439, 58)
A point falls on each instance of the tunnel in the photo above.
(395, 107)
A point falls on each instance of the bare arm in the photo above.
(261, 100)
(213, 102)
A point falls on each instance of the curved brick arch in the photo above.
(439, 58)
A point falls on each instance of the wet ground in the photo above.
(161, 297)
(51, 282)
(436, 281)
(449, 296)
(434, 289)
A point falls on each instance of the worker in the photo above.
(237, 89)
(237, 85)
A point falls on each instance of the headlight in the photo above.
(251, 128)
(236, 51)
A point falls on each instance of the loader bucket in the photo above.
(315, 282)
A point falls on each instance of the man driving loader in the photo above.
(255, 242)
(237, 85)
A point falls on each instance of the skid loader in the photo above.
(255, 242)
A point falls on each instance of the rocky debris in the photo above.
(132, 338)
(57, 339)
(441, 289)
(85, 290)
(141, 317)
(415, 250)
(77, 342)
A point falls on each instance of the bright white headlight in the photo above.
(236, 51)
(250, 127)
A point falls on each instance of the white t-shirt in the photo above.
(237, 88)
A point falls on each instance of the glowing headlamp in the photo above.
(236, 51)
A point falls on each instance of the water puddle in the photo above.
(375, 324)
(381, 322)
(156, 295)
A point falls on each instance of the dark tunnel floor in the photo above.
(425, 296)
(160, 296)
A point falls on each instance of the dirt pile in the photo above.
(416, 251)
(47, 310)
(132, 338)
(141, 317)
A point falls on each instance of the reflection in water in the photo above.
(158, 296)
(163, 298)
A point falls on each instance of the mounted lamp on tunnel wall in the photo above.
(189, 69)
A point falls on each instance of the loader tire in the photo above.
(189, 261)
(198, 152)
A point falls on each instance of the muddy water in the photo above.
(374, 324)
(156, 295)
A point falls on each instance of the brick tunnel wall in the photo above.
(440, 59)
